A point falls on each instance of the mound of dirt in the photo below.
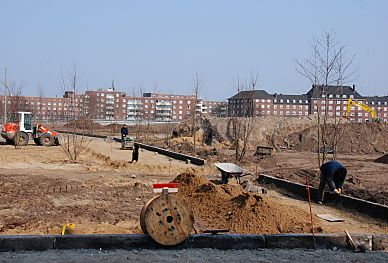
(382, 159)
(354, 138)
(230, 207)
(301, 134)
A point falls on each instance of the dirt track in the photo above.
(103, 193)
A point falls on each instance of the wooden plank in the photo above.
(330, 218)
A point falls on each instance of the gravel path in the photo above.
(193, 255)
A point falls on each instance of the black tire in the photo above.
(46, 139)
(21, 139)
(9, 141)
(56, 141)
(37, 141)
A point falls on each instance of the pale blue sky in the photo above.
(160, 44)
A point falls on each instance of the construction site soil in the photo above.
(230, 207)
(41, 190)
(360, 147)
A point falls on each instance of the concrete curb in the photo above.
(20, 243)
(222, 242)
(369, 208)
(175, 155)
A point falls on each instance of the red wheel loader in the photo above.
(21, 129)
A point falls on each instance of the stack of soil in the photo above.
(354, 138)
(230, 207)
(382, 159)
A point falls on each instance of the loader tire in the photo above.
(46, 139)
(56, 141)
(21, 139)
(8, 141)
(37, 141)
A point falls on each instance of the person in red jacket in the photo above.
(333, 174)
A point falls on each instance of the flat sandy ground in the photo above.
(41, 190)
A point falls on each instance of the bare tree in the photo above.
(16, 102)
(198, 81)
(326, 66)
(139, 110)
(244, 120)
(73, 143)
(38, 112)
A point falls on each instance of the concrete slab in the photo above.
(365, 240)
(222, 242)
(380, 243)
(128, 241)
(290, 241)
(225, 241)
(26, 242)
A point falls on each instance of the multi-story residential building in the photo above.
(109, 105)
(135, 108)
(289, 105)
(331, 100)
(216, 108)
(105, 104)
(380, 105)
(168, 107)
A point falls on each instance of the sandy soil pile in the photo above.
(382, 159)
(230, 207)
(356, 138)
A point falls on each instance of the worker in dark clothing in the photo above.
(135, 154)
(124, 134)
(333, 174)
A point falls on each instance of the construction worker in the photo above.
(124, 134)
(333, 174)
(135, 154)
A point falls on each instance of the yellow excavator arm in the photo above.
(362, 106)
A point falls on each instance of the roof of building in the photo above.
(318, 91)
(252, 94)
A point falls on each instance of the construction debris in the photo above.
(382, 159)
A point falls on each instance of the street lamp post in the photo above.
(5, 94)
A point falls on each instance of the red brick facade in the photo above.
(331, 100)
(111, 105)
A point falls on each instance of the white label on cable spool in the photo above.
(170, 188)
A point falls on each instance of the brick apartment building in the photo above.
(335, 98)
(113, 105)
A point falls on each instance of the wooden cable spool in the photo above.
(167, 219)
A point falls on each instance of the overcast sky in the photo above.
(158, 45)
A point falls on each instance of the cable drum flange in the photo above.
(168, 219)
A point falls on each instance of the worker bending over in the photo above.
(333, 174)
